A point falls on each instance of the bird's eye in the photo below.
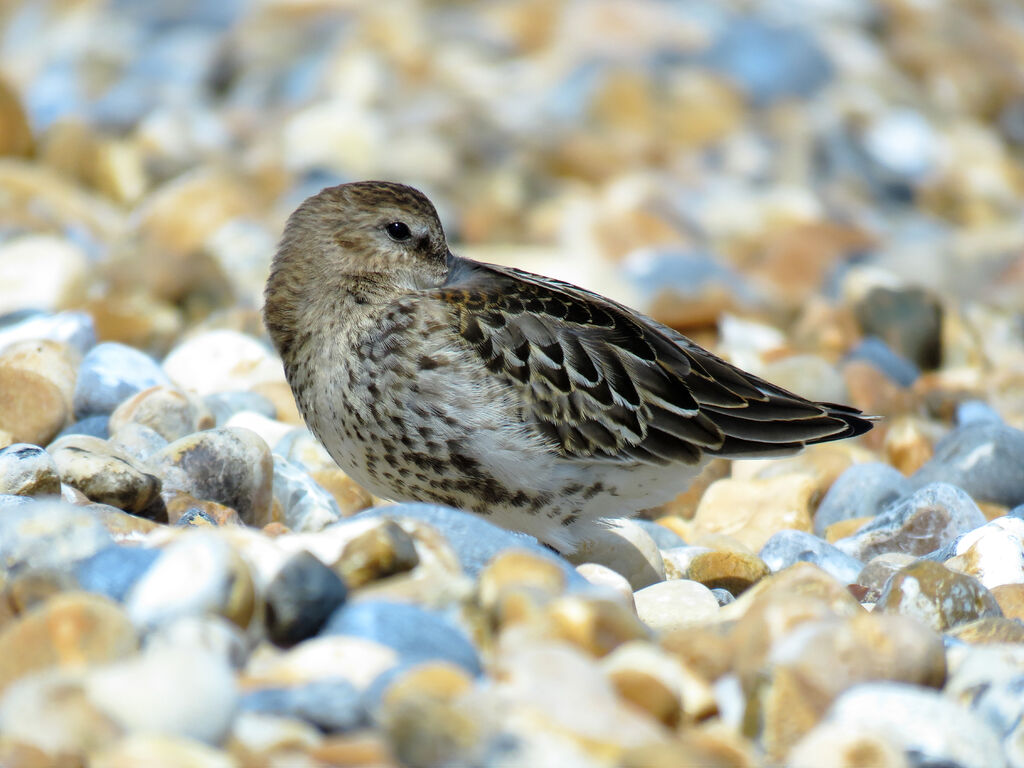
(398, 231)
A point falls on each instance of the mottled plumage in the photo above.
(534, 402)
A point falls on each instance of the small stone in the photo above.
(989, 629)
(909, 320)
(416, 634)
(925, 724)
(195, 574)
(168, 412)
(47, 534)
(300, 599)
(305, 505)
(258, 737)
(326, 657)
(704, 648)
(626, 548)
(94, 426)
(28, 470)
(518, 570)
(381, 551)
(927, 520)
(845, 528)
(41, 272)
(185, 509)
(829, 745)
(75, 329)
(172, 691)
(657, 683)
(1011, 600)
(69, 629)
(227, 465)
(592, 624)
(993, 553)
(111, 373)
(719, 748)
(224, 405)
(114, 570)
(108, 476)
(863, 490)
(330, 705)
(158, 751)
(26, 589)
(137, 440)
(732, 571)
(670, 605)
(788, 547)
(16, 139)
(908, 445)
(936, 596)
(881, 568)
(271, 430)
(753, 510)
(800, 580)
(664, 537)
(222, 361)
(36, 381)
(604, 577)
(983, 459)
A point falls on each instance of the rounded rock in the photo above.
(381, 551)
(936, 596)
(28, 470)
(300, 599)
(626, 548)
(788, 547)
(863, 490)
(230, 466)
(170, 413)
(222, 361)
(111, 373)
(305, 505)
(753, 510)
(36, 382)
(592, 624)
(671, 605)
(732, 571)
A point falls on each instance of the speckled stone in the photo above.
(28, 470)
(301, 597)
(932, 517)
(230, 466)
(936, 596)
(70, 628)
(108, 476)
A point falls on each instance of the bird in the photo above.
(538, 405)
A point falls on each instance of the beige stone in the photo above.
(37, 381)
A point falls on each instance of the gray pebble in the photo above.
(110, 374)
(74, 328)
(224, 405)
(788, 546)
(863, 490)
(331, 705)
(300, 598)
(94, 426)
(663, 537)
(305, 505)
(114, 570)
(28, 470)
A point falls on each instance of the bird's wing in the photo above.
(601, 381)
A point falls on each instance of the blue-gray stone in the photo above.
(96, 426)
(475, 541)
(110, 374)
(74, 328)
(862, 490)
(195, 517)
(114, 570)
(787, 547)
(976, 412)
(984, 458)
(926, 521)
(653, 271)
(10, 501)
(723, 596)
(331, 705)
(1017, 512)
(224, 405)
(305, 505)
(769, 62)
(300, 598)
(664, 537)
(415, 633)
(879, 354)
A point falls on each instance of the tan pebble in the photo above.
(991, 510)
(875, 393)
(677, 525)
(670, 605)
(1011, 600)
(593, 625)
(437, 680)
(275, 529)
(136, 318)
(798, 580)
(258, 738)
(937, 596)
(180, 504)
(908, 445)
(16, 137)
(706, 649)
(351, 496)
(280, 394)
(706, 747)
(624, 547)
(837, 745)
(108, 475)
(69, 629)
(519, 570)
(41, 272)
(843, 528)
(170, 413)
(824, 462)
(120, 524)
(880, 568)
(990, 629)
(752, 511)
(159, 751)
(37, 380)
(6, 438)
(382, 551)
(355, 659)
(732, 571)
(684, 506)
(355, 750)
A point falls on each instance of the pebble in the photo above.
(108, 476)
(936, 596)
(114, 570)
(37, 379)
(516, 571)
(357, 660)
(48, 534)
(222, 361)
(626, 548)
(300, 599)
(111, 373)
(228, 465)
(1011, 600)
(170, 413)
(41, 272)
(73, 328)
(330, 705)
(654, 682)
(922, 722)
(195, 574)
(993, 553)
(981, 458)
(381, 551)
(880, 568)
(591, 623)
(159, 751)
(863, 490)
(69, 629)
(732, 571)
(751, 511)
(925, 521)
(138, 440)
(788, 547)
(909, 321)
(603, 577)
(305, 505)
(416, 634)
(670, 605)
(94, 426)
(28, 470)
(224, 405)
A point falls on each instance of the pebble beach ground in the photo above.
(829, 193)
